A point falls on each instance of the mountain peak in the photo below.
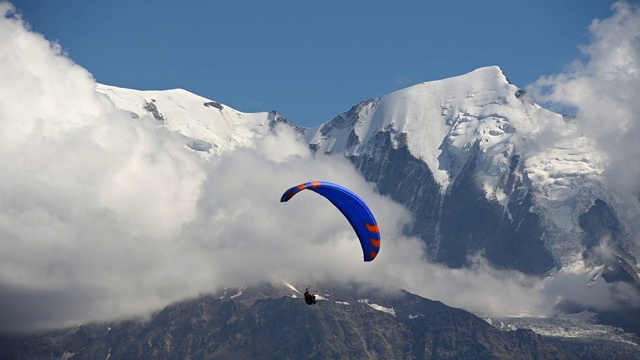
(476, 130)
(429, 115)
(208, 126)
(484, 76)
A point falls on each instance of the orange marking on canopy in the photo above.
(373, 228)
(373, 255)
(302, 186)
(315, 184)
(375, 242)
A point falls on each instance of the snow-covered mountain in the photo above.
(208, 126)
(482, 168)
(493, 171)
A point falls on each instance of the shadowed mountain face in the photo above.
(383, 325)
(462, 221)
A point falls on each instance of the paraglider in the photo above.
(308, 298)
(352, 207)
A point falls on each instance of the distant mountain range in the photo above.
(482, 169)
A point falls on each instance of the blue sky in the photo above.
(311, 60)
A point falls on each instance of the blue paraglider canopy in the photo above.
(352, 207)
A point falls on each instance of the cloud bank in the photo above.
(601, 87)
(103, 217)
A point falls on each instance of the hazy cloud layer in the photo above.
(104, 217)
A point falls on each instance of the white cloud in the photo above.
(103, 217)
(602, 88)
(86, 195)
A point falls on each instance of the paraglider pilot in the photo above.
(308, 298)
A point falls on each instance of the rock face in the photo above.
(252, 326)
(462, 221)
